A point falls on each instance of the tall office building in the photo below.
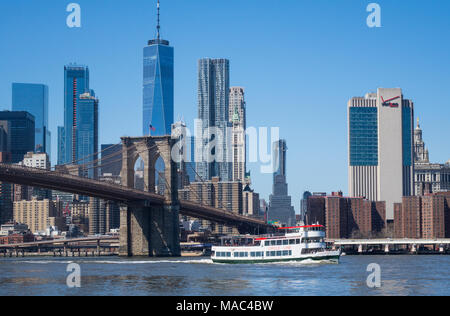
(21, 135)
(380, 138)
(78, 140)
(158, 87)
(213, 112)
(280, 206)
(33, 98)
(237, 116)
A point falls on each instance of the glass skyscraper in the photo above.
(158, 87)
(79, 136)
(213, 111)
(20, 129)
(33, 98)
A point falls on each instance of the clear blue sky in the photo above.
(300, 62)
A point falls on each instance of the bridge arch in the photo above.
(150, 149)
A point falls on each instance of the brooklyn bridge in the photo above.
(149, 222)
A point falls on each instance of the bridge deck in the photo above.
(72, 184)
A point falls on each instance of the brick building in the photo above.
(425, 216)
(346, 217)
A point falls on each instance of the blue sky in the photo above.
(299, 60)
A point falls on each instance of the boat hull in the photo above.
(329, 257)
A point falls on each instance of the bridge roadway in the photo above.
(72, 184)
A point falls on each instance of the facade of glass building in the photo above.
(213, 113)
(363, 136)
(79, 136)
(87, 134)
(21, 134)
(33, 98)
(158, 88)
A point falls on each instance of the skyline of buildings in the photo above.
(79, 137)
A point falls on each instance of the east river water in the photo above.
(400, 275)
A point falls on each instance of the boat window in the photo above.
(278, 242)
(297, 241)
(278, 253)
(252, 254)
(228, 254)
(267, 242)
(236, 254)
(285, 242)
(273, 242)
(272, 253)
(285, 253)
(267, 253)
(291, 241)
(290, 252)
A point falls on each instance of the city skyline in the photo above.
(325, 174)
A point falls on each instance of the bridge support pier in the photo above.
(149, 231)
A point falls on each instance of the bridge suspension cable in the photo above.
(85, 157)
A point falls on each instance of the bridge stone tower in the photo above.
(150, 230)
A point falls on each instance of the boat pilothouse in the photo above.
(290, 244)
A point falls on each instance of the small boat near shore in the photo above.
(291, 244)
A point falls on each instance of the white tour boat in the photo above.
(295, 244)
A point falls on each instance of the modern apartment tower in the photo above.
(380, 140)
(280, 206)
(78, 139)
(237, 116)
(33, 98)
(213, 113)
(158, 86)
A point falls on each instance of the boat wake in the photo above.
(122, 262)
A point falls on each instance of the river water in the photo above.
(400, 275)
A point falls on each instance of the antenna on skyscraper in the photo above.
(158, 26)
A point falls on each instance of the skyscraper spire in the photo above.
(158, 26)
